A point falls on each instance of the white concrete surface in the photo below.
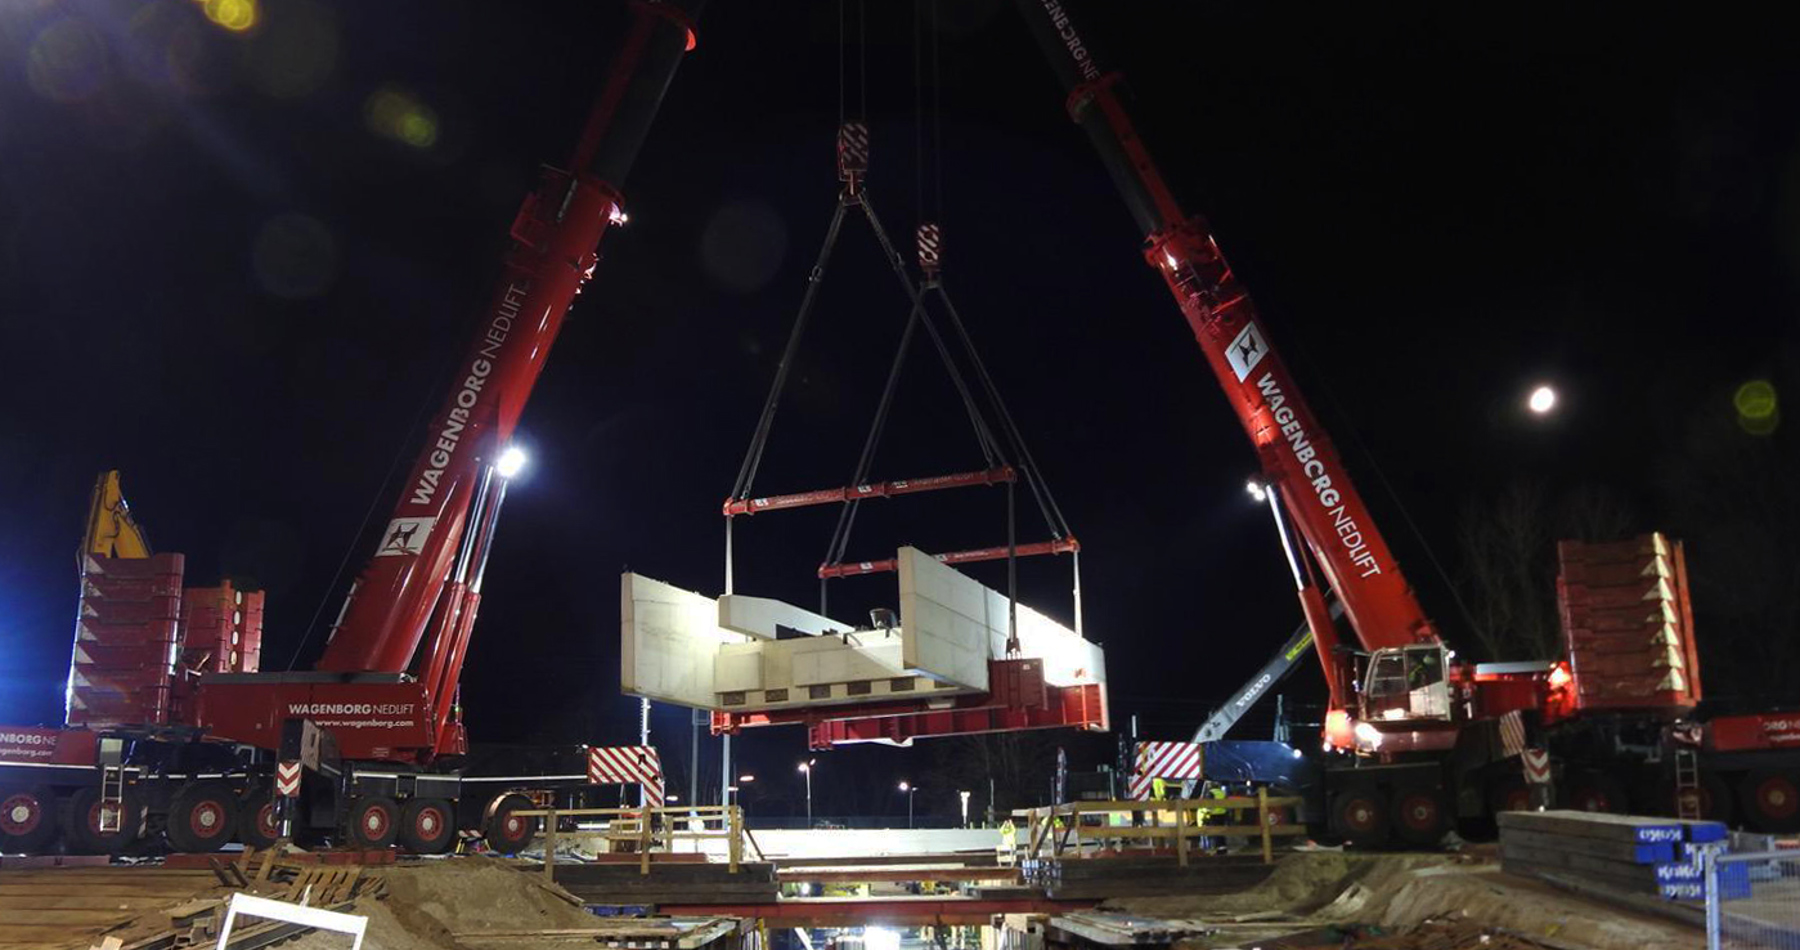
(760, 616)
(686, 648)
(953, 625)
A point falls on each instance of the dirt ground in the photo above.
(1390, 896)
(1314, 899)
(445, 904)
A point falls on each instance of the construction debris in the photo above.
(1319, 899)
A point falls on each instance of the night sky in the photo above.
(238, 265)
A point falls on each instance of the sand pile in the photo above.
(1399, 892)
(427, 904)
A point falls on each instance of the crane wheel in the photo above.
(202, 817)
(1509, 794)
(82, 819)
(1360, 815)
(1770, 799)
(257, 827)
(1597, 792)
(1421, 815)
(427, 826)
(506, 832)
(27, 818)
(374, 822)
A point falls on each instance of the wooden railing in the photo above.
(1069, 831)
(651, 831)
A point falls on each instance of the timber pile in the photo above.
(754, 883)
(1101, 878)
(79, 907)
(155, 908)
(1660, 856)
(1108, 929)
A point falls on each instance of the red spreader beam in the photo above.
(904, 486)
(1035, 549)
(1020, 699)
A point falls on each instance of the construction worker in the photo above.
(1009, 842)
(1211, 814)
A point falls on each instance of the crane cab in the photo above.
(1405, 701)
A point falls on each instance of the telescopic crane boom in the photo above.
(1348, 554)
(400, 641)
(430, 554)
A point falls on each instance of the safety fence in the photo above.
(649, 833)
(1180, 827)
(1753, 900)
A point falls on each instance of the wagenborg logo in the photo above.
(26, 738)
(405, 536)
(1246, 350)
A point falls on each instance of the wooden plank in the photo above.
(1593, 825)
(851, 875)
(76, 918)
(81, 901)
(99, 874)
(47, 935)
(1628, 851)
(120, 890)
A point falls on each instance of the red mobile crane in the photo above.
(1413, 738)
(1410, 708)
(376, 724)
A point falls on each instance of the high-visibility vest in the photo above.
(1158, 788)
(1216, 811)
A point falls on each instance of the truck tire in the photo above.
(202, 817)
(1508, 793)
(1770, 799)
(1360, 815)
(257, 827)
(1421, 815)
(27, 818)
(505, 832)
(427, 826)
(1597, 792)
(81, 822)
(373, 823)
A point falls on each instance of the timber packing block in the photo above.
(1620, 851)
(1587, 824)
(683, 883)
(1099, 878)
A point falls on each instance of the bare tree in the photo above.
(1505, 542)
(1509, 560)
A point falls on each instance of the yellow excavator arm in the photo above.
(111, 532)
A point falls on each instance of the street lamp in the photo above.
(806, 769)
(965, 807)
(909, 789)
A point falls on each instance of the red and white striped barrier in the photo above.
(628, 765)
(1165, 760)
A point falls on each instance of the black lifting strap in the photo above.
(760, 439)
(984, 435)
